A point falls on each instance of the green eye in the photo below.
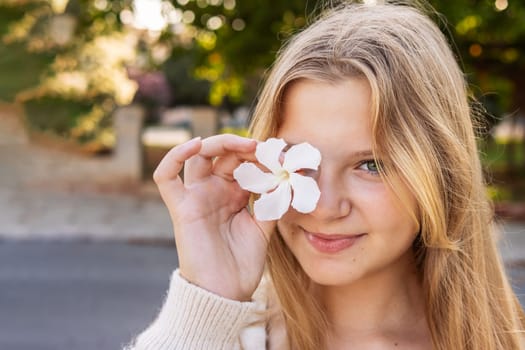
(369, 166)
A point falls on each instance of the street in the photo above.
(79, 296)
(85, 296)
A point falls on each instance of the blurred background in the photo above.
(94, 92)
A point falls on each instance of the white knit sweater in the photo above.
(193, 319)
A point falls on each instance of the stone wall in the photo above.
(24, 162)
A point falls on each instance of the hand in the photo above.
(221, 247)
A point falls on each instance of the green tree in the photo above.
(19, 68)
(236, 42)
(233, 42)
(66, 65)
(214, 48)
(490, 38)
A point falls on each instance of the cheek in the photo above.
(284, 228)
(287, 229)
(395, 207)
(399, 220)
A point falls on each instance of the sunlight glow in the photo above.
(214, 23)
(148, 15)
(501, 5)
(238, 24)
(229, 4)
(59, 6)
(475, 50)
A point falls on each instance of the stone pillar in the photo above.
(12, 126)
(128, 121)
(204, 121)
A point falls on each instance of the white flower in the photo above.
(283, 185)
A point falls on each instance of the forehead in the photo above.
(328, 115)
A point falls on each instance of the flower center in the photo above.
(284, 175)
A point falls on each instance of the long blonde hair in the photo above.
(423, 130)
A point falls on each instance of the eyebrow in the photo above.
(360, 154)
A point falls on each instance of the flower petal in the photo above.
(273, 205)
(306, 193)
(268, 153)
(253, 179)
(302, 156)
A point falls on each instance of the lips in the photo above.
(332, 243)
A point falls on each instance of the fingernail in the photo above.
(189, 143)
(194, 140)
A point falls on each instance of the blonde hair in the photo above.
(424, 134)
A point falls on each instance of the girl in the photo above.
(399, 250)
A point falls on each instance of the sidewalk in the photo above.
(125, 216)
(83, 215)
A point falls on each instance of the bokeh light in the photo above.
(501, 5)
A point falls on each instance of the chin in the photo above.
(329, 274)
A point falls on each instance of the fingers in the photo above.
(224, 166)
(172, 163)
(201, 165)
(221, 144)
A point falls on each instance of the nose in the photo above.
(334, 202)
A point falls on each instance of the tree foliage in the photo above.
(488, 35)
(212, 51)
(490, 39)
(232, 42)
(66, 65)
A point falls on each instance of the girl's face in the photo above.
(359, 228)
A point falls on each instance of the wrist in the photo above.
(216, 284)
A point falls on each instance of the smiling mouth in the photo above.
(331, 243)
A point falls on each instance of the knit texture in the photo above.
(194, 318)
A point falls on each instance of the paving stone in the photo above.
(55, 214)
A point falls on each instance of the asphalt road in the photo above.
(86, 296)
(79, 296)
